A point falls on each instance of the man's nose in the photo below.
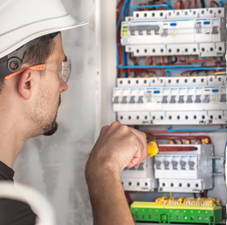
(63, 86)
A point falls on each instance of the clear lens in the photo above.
(65, 71)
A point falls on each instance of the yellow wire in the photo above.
(219, 73)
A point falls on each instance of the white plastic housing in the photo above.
(169, 117)
(194, 98)
(140, 178)
(177, 32)
(188, 171)
(171, 100)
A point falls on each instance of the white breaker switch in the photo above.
(175, 32)
(185, 171)
(140, 178)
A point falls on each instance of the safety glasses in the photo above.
(63, 69)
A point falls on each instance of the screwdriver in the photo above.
(152, 149)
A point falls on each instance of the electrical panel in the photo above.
(140, 178)
(185, 171)
(171, 60)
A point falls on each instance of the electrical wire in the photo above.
(203, 3)
(187, 4)
(194, 4)
(161, 2)
(128, 197)
(178, 132)
(192, 129)
(220, 73)
(136, 60)
(150, 6)
(194, 69)
(184, 73)
(119, 3)
(221, 1)
(126, 13)
(162, 61)
(213, 2)
(119, 47)
(197, 72)
(175, 60)
(140, 71)
(147, 61)
(183, 61)
(177, 137)
(180, 4)
(204, 60)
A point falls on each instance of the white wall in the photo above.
(55, 165)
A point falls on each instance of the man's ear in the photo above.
(25, 84)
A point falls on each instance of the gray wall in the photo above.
(55, 165)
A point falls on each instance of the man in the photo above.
(33, 74)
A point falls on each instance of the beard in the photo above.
(51, 128)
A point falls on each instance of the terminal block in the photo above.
(184, 171)
(171, 81)
(177, 32)
(140, 178)
(205, 211)
(169, 117)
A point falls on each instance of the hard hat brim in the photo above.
(32, 31)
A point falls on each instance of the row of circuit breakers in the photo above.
(171, 100)
(175, 32)
(187, 171)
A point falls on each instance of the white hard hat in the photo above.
(24, 20)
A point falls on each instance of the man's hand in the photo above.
(117, 147)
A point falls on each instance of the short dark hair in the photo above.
(37, 54)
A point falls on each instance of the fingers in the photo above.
(143, 139)
(132, 144)
(104, 129)
(136, 160)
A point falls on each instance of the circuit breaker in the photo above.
(185, 171)
(140, 178)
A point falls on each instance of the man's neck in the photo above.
(11, 138)
(10, 147)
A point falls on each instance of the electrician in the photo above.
(33, 74)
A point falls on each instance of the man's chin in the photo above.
(51, 129)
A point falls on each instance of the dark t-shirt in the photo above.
(13, 212)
